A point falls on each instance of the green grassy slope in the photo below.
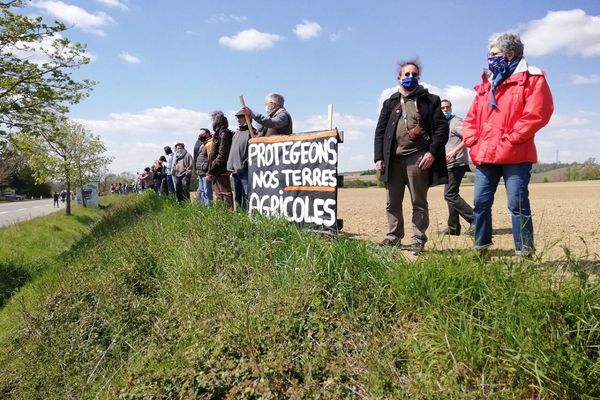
(29, 247)
(165, 301)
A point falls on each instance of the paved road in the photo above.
(18, 211)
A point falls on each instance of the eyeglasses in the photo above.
(495, 54)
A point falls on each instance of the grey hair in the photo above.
(506, 42)
(276, 98)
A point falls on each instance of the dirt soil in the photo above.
(565, 216)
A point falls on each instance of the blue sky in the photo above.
(162, 66)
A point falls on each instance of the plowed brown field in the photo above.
(565, 215)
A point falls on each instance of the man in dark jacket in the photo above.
(409, 152)
(221, 146)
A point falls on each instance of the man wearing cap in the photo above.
(237, 163)
(277, 122)
(182, 172)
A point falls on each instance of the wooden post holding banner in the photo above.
(330, 117)
(248, 121)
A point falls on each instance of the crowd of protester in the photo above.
(418, 143)
(219, 159)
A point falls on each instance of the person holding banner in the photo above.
(221, 146)
(277, 122)
(410, 140)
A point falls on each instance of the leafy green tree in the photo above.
(36, 62)
(66, 152)
(10, 163)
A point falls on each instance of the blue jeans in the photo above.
(205, 191)
(516, 180)
(170, 185)
(240, 187)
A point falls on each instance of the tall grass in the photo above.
(170, 301)
(29, 247)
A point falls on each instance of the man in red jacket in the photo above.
(511, 105)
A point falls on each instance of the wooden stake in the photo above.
(248, 120)
(330, 116)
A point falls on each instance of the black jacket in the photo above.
(435, 130)
(221, 147)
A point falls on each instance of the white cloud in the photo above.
(572, 143)
(39, 53)
(130, 58)
(76, 16)
(115, 3)
(147, 146)
(337, 35)
(224, 18)
(250, 40)
(153, 121)
(460, 96)
(354, 127)
(137, 139)
(585, 80)
(573, 32)
(576, 119)
(307, 30)
(356, 152)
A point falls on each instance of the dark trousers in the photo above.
(240, 186)
(170, 184)
(457, 206)
(223, 189)
(182, 188)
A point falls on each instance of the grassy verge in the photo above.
(30, 246)
(165, 301)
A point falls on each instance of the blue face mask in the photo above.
(409, 83)
(447, 114)
(498, 63)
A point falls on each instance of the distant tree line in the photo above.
(16, 174)
(589, 170)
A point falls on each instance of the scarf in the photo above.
(500, 75)
(179, 153)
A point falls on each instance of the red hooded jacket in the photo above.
(504, 135)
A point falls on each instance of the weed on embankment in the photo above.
(170, 301)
